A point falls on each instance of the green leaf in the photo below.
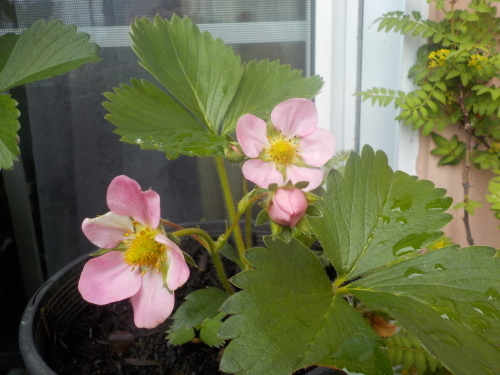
(440, 140)
(313, 211)
(147, 116)
(231, 253)
(201, 73)
(454, 73)
(100, 252)
(483, 8)
(209, 331)
(439, 96)
(42, 51)
(313, 325)
(8, 132)
(199, 305)
(181, 335)
(449, 299)
(265, 84)
(262, 217)
(372, 215)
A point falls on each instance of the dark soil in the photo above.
(84, 348)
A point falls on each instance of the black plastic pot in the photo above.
(58, 303)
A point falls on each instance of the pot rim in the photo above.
(29, 351)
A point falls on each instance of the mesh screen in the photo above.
(75, 151)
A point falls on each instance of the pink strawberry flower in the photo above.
(287, 206)
(145, 266)
(291, 149)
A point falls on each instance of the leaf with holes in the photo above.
(449, 299)
(373, 215)
(313, 325)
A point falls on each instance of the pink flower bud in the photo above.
(287, 206)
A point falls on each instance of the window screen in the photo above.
(75, 152)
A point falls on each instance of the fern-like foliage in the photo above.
(404, 350)
(453, 74)
(494, 194)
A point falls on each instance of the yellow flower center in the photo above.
(144, 251)
(283, 151)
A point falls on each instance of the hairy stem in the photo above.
(248, 218)
(194, 236)
(228, 197)
(223, 238)
(213, 250)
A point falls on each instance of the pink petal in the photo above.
(108, 279)
(107, 231)
(295, 117)
(251, 133)
(297, 203)
(317, 148)
(261, 173)
(153, 304)
(288, 206)
(297, 174)
(178, 270)
(277, 214)
(126, 198)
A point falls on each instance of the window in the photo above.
(352, 56)
(76, 153)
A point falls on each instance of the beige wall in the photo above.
(484, 225)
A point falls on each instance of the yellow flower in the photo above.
(438, 58)
(476, 59)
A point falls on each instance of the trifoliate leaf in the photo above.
(9, 125)
(42, 51)
(373, 215)
(201, 72)
(289, 298)
(449, 299)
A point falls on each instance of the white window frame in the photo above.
(351, 55)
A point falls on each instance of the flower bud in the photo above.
(233, 153)
(287, 206)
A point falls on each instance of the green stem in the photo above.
(213, 250)
(196, 232)
(228, 197)
(194, 236)
(248, 218)
(224, 237)
(220, 271)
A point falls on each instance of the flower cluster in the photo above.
(138, 261)
(438, 58)
(476, 60)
